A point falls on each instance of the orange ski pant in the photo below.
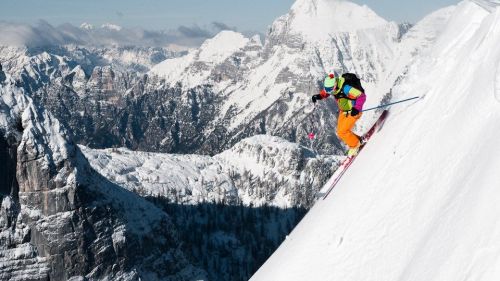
(344, 129)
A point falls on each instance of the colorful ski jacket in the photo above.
(354, 98)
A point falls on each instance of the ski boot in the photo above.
(353, 151)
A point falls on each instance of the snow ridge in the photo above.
(258, 170)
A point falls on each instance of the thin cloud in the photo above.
(44, 34)
(222, 26)
(194, 31)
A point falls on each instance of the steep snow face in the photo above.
(417, 42)
(419, 202)
(315, 19)
(490, 5)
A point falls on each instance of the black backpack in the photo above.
(352, 80)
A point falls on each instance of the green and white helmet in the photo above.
(330, 83)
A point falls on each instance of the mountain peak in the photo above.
(86, 26)
(111, 26)
(320, 17)
(218, 48)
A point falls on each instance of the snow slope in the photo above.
(420, 202)
(415, 43)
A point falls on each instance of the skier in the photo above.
(350, 97)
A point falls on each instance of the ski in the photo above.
(348, 161)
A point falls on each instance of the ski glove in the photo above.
(316, 98)
(340, 96)
(354, 111)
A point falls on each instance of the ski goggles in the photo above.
(331, 89)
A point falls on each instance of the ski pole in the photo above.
(389, 104)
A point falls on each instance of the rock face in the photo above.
(8, 154)
(2, 74)
(65, 220)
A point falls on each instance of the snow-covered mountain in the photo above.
(314, 19)
(267, 88)
(419, 203)
(257, 171)
(196, 67)
(232, 87)
(37, 67)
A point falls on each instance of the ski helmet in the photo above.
(330, 83)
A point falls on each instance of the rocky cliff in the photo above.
(60, 219)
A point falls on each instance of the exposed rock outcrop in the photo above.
(67, 221)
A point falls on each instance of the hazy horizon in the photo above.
(153, 23)
(254, 15)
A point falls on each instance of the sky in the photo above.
(159, 23)
(249, 15)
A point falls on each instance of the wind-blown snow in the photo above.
(419, 203)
